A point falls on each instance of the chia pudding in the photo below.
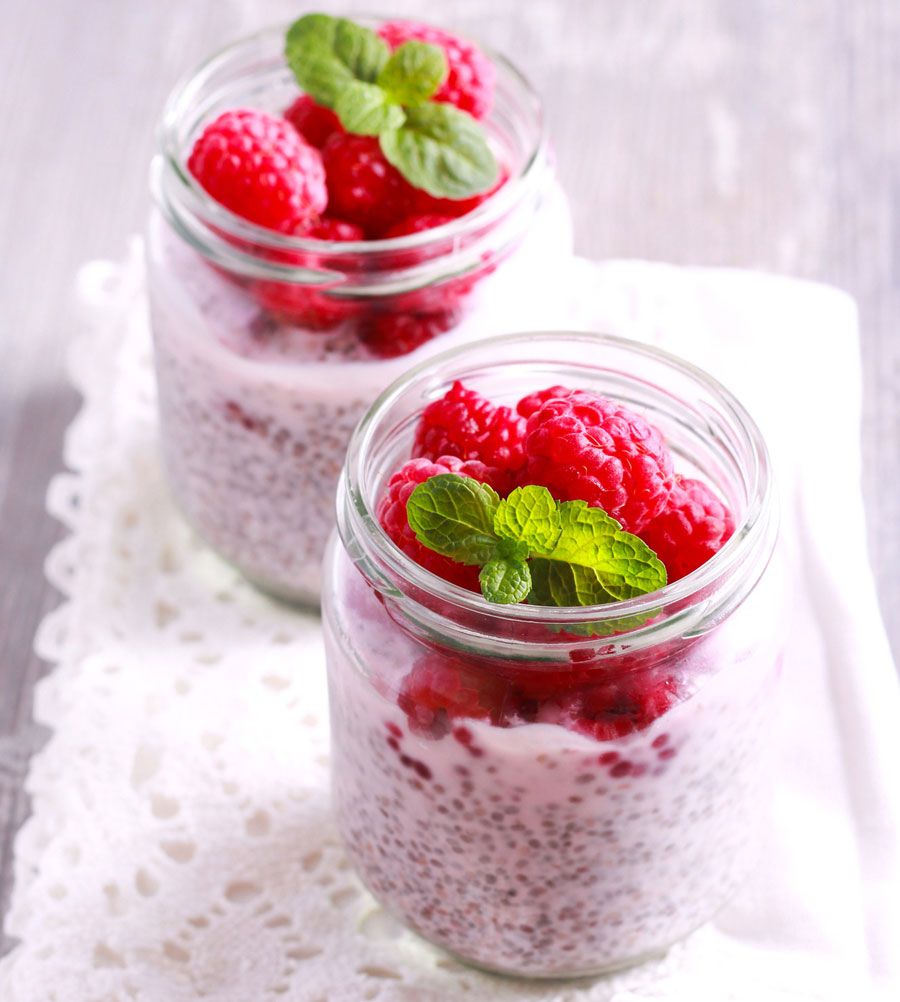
(269, 347)
(490, 819)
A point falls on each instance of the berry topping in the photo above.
(362, 186)
(416, 224)
(390, 334)
(391, 513)
(259, 167)
(418, 104)
(470, 79)
(464, 424)
(312, 121)
(693, 525)
(584, 447)
(440, 689)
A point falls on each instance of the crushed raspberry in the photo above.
(470, 77)
(613, 709)
(391, 334)
(363, 187)
(260, 168)
(391, 513)
(540, 684)
(441, 689)
(653, 694)
(463, 423)
(306, 306)
(582, 446)
(429, 205)
(315, 123)
(693, 525)
(303, 306)
(416, 224)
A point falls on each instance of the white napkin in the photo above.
(181, 846)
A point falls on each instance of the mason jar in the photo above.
(470, 806)
(269, 348)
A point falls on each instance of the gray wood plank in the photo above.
(716, 132)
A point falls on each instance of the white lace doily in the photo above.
(181, 846)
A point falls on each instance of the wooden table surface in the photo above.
(753, 133)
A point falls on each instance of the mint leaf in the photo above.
(511, 549)
(608, 627)
(531, 546)
(505, 581)
(327, 54)
(589, 538)
(365, 110)
(529, 515)
(413, 73)
(442, 150)
(557, 583)
(454, 516)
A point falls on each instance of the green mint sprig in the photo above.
(350, 69)
(530, 546)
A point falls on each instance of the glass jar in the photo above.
(470, 804)
(269, 348)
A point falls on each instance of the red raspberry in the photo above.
(389, 335)
(693, 526)
(470, 77)
(312, 121)
(582, 446)
(307, 306)
(416, 224)
(391, 513)
(464, 424)
(258, 167)
(362, 186)
(456, 207)
(441, 689)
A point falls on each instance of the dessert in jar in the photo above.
(552, 625)
(315, 232)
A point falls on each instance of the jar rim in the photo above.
(200, 204)
(757, 529)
